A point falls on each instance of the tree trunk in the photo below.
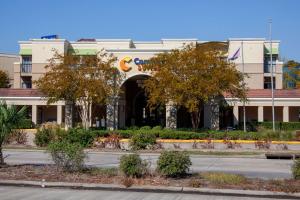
(69, 114)
(85, 114)
(195, 116)
(1, 157)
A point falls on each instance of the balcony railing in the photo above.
(26, 68)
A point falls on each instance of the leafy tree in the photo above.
(4, 79)
(80, 80)
(291, 74)
(10, 118)
(193, 76)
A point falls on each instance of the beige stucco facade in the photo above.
(7, 64)
(252, 59)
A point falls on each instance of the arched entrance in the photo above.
(133, 110)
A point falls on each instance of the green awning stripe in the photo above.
(25, 52)
(274, 51)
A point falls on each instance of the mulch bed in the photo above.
(52, 174)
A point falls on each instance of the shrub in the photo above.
(126, 133)
(44, 136)
(183, 135)
(113, 141)
(127, 182)
(296, 169)
(173, 163)
(266, 144)
(27, 124)
(281, 125)
(142, 140)
(157, 128)
(69, 157)
(132, 165)
(195, 183)
(133, 128)
(81, 136)
(145, 128)
(18, 136)
(220, 178)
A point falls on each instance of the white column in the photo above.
(59, 114)
(34, 114)
(286, 114)
(260, 113)
(235, 115)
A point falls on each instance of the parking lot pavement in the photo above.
(250, 167)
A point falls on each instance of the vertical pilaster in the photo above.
(59, 114)
(34, 114)
(235, 115)
(286, 114)
(260, 113)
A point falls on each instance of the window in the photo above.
(26, 64)
(267, 63)
(26, 82)
(267, 83)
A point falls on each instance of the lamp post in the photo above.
(272, 75)
(243, 71)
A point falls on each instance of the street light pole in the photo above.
(272, 75)
(243, 71)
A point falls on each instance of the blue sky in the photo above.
(151, 20)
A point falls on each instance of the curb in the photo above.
(156, 189)
(215, 141)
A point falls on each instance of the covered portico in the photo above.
(36, 103)
(259, 106)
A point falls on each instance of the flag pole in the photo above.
(243, 71)
(272, 75)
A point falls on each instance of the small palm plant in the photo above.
(10, 118)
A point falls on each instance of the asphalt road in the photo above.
(28, 193)
(251, 167)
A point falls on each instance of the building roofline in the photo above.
(113, 40)
(179, 39)
(11, 55)
(247, 39)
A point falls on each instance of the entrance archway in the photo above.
(133, 110)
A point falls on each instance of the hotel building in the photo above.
(131, 107)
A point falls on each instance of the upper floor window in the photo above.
(26, 82)
(26, 64)
(267, 63)
(268, 83)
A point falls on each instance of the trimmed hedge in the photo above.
(281, 125)
(217, 135)
(86, 137)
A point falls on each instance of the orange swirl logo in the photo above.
(124, 63)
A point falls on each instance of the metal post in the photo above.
(272, 84)
(243, 71)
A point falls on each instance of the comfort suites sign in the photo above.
(127, 63)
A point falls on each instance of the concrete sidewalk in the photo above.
(153, 189)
